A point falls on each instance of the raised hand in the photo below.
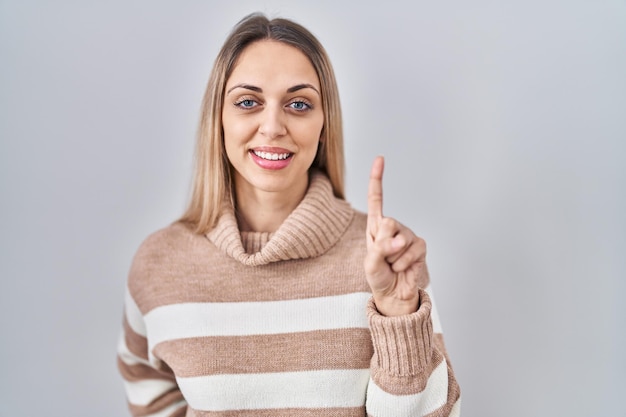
(396, 257)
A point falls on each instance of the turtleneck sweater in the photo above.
(238, 323)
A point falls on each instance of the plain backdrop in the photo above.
(504, 130)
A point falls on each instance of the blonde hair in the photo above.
(213, 179)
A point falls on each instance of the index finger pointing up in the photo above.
(375, 190)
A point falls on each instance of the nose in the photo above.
(272, 123)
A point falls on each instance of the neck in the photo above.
(261, 211)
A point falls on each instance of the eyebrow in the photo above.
(300, 87)
(260, 90)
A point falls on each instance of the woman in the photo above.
(272, 296)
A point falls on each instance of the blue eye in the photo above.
(300, 106)
(246, 103)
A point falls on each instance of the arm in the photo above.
(410, 371)
(151, 388)
(411, 374)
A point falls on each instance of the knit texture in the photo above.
(276, 324)
(315, 226)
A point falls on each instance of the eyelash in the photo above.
(308, 106)
(240, 103)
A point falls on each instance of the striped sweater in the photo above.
(276, 324)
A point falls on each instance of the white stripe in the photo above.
(133, 315)
(178, 321)
(434, 314)
(143, 392)
(168, 411)
(434, 396)
(456, 409)
(128, 357)
(307, 389)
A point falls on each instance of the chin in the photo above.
(271, 182)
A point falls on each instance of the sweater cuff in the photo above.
(402, 344)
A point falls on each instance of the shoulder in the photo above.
(162, 254)
(352, 240)
(163, 242)
(358, 225)
(360, 219)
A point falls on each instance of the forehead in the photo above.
(273, 62)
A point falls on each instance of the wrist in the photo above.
(391, 307)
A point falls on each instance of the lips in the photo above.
(271, 158)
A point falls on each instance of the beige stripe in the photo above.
(212, 278)
(136, 344)
(351, 349)
(286, 412)
(293, 281)
(134, 373)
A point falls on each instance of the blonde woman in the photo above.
(272, 296)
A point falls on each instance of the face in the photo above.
(272, 119)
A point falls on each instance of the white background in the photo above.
(504, 129)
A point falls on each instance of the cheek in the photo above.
(236, 131)
(228, 125)
(310, 132)
(315, 132)
(232, 139)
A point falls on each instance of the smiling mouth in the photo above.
(270, 156)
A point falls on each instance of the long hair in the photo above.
(213, 179)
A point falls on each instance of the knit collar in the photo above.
(310, 230)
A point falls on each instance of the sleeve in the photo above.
(151, 388)
(411, 373)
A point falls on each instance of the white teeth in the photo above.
(271, 156)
